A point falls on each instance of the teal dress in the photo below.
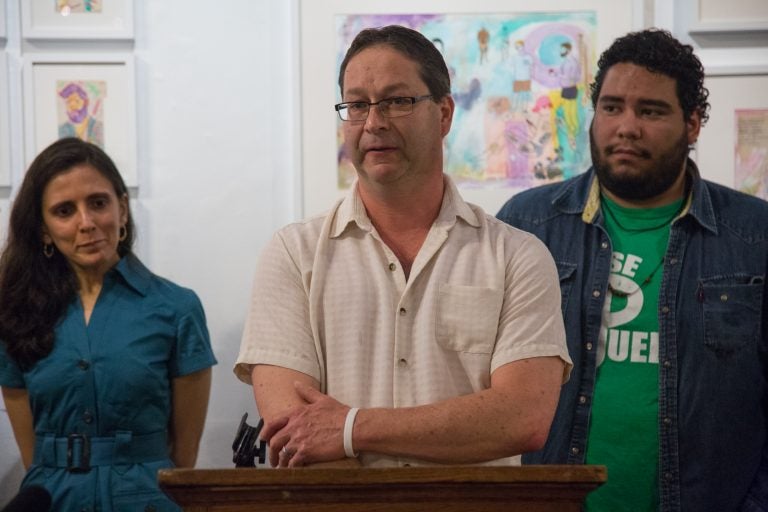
(101, 400)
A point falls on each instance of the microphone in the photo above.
(30, 499)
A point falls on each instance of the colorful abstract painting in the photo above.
(521, 87)
(751, 166)
(80, 109)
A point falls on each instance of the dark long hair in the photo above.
(36, 290)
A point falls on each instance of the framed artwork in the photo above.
(5, 154)
(517, 123)
(89, 97)
(733, 145)
(77, 19)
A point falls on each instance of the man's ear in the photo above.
(693, 127)
(447, 107)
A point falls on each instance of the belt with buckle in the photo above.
(78, 453)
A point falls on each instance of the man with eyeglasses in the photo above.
(405, 327)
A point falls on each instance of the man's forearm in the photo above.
(510, 418)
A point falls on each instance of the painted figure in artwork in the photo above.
(570, 74)
(522, 63)
(66, 7)
(80, 110)
(482, 40)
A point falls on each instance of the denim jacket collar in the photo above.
(582, 196)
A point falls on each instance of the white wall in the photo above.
(216, 165)
(217, 170)
(218, 143)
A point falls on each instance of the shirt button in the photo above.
(402, 311)
(724, 297)
(667, 421)
(589, 346)
(582, 399)
(392, 266)
(667, 476)
(604, 245)
(87, 417)
(575, 450)
(403, 362)
(596, 293)
(667, 364)
(665, 309)
(672, 261)
(83, 364)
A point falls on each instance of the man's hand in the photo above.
(308, 433)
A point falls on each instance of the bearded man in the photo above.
(663, 288)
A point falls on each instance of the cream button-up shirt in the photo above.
(331, 300)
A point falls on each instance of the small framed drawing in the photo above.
(5, 154)
(733, 146)
(89, 97)
(77, 19)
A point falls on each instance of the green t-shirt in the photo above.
(623, 430)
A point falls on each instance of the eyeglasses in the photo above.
(357, 111)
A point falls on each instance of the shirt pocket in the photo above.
(468, 318)
(732, 311)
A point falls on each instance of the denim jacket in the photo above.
(713, 337)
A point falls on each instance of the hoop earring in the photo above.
(48, 250)
(123, 233)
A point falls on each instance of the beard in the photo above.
(77, 116)
(663, 170)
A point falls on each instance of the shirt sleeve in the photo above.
(531, 321)
(11, 375)
(193, 345)
(277, 329)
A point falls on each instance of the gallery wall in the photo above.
(216, 167)
(218, 155)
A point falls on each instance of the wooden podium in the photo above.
(441, 489)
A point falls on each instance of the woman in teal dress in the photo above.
(104, 366)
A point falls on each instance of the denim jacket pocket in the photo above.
(468, 318)
(731, 309)
(566, 273)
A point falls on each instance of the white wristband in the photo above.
(349, 424)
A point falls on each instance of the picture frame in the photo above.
(318, 70)
(5, 144)
(716, 17)
(715, 150)
(81, 20)
(89, 96)
(3, 34)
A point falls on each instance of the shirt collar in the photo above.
(351, 210)
(133, 273)
(582, 195)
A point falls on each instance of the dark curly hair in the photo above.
(412, 44)
(36, 290)
(659, 52)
